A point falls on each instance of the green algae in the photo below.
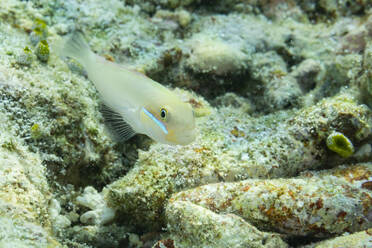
(39, 31)
(25, 58)
(9, 145)
(42, 51)
(40, 24)
(340, 144)
(36, 131)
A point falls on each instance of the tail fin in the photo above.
(76, 47)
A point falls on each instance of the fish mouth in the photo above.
(182, 137)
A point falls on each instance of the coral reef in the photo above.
(282, 95)
(235, 149)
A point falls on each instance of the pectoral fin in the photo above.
(121, 130)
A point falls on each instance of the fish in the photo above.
(133, 102)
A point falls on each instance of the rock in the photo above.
(211, 55)
(182, 17)
(269, 72)
(356, 240)
(340, 144)
(195, 226)
(23, 234)
(306, 74)
(24, 194)
(317, 206)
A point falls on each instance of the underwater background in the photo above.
(282, 94)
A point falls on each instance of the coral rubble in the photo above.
(281, 91)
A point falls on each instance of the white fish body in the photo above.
(145, 105)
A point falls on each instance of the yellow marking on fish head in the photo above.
(169, 121)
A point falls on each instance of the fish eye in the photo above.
(163, 114)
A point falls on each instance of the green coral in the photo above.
(340, 144)
(42, 51)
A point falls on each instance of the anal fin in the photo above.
(121, 130)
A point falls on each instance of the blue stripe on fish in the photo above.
(159, 123)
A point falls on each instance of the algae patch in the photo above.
(340, 144)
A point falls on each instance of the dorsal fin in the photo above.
(121, 130)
